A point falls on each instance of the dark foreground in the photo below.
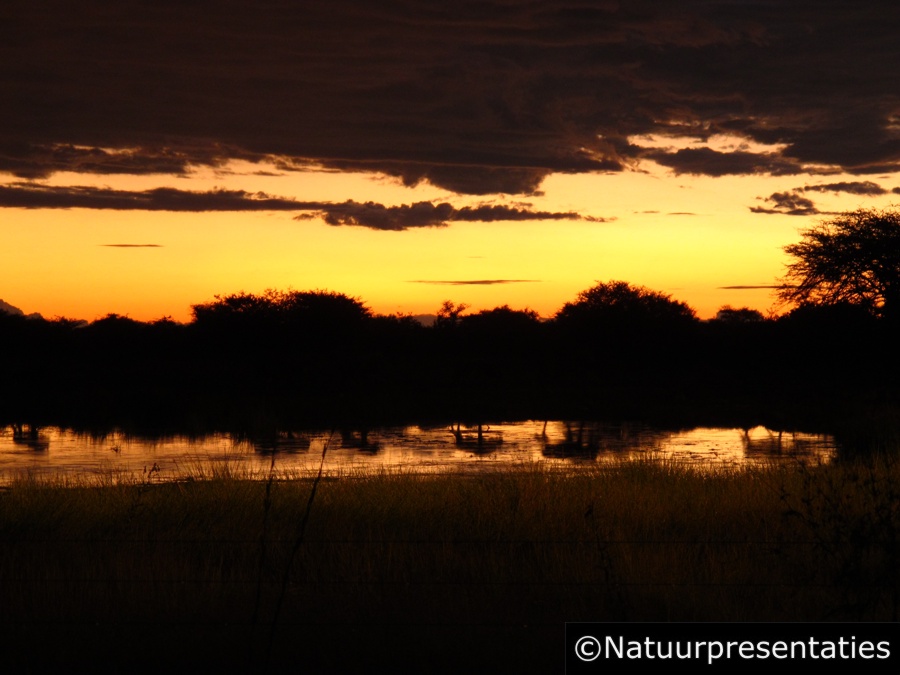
(436, 574)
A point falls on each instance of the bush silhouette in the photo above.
(282, 309)
(620, 304)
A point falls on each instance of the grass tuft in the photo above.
(396, 563)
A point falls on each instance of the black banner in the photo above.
(770, 648)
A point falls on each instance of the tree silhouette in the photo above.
(316, 310)
(618, 303)
(449, 315)
(501, 322)
(501, 340)
(729, 314)
(853, 258)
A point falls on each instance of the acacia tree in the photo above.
(303, 309)
(618, 303)
(853, 258)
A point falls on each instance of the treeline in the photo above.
(284, 359)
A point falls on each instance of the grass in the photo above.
(430, 573)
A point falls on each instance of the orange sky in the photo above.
(687, 236)
(155, 155)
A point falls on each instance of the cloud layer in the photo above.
(363, 214)
(424, 214)
(793, 203)
(478, 98)
(472, 282)
(787, 203)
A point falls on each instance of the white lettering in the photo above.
(678, 650)
(715, 652)
(612, 648)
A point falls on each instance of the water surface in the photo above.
(555, 444)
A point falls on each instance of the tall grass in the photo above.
(432, 572)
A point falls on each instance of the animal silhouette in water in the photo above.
(29, 436)
(483, 441)
(358, 440)
(579, 442)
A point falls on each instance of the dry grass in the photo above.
(392, 567)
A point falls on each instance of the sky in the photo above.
(155, 154)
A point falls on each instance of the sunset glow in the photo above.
(510, 176)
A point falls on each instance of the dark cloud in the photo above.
(32, 195)
(39, 161)
(867, 188)
(463, 178)
(475, 282)
(423, 214)
(363, 214)
(479, 98)
(746, 287)
(788, 203)
(792, 203)
(710, 162)
(380, 217)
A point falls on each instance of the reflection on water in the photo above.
(454, 448)
(29, 437)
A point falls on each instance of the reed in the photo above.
(405, 570)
